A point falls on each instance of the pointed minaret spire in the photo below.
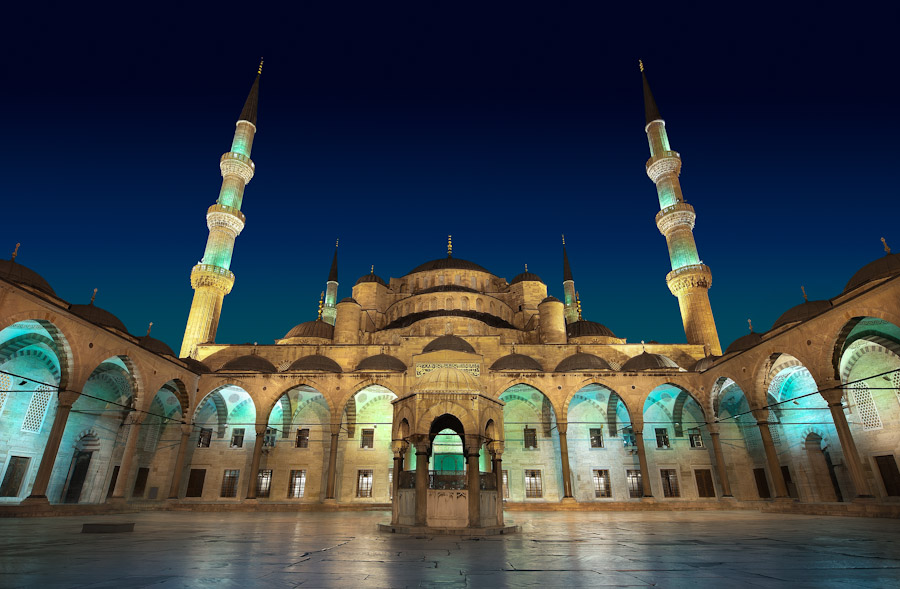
(571, 308)
(212, 278)
(689, 279)
(329, 311)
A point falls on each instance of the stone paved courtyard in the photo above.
(563, 549)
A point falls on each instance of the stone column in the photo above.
(399, 451)
(332, 466)
(179, 461)
(65, 400)
(562, 427)
(720, 462)
(642, 459)
(422, 449)
(133, 421)
(497, 465)
(762, 416)
(833, 397)
(473, 485)
(254, 463)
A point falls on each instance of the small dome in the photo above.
(883, 267)
(20, 274)
(348, 300)
(517, 362)
(382, 362)
(315, 362)
(445, 379)
(98, 316)
(647, 361)
(449, 342)
(582, 361)
(448, 263)
(802, 312)
(248, 363)
(526, 277)
(371, 278)
(317, 328)
(156, 346)
(550, 299)
(195, 366)
(705, 363)
(744, 342)
(583, 328)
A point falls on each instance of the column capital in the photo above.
(261, 429)
(832, 391)
(187, 429)
(562, 427)
(761, 414)
(67, 398)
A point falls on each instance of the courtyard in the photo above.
(554, 549)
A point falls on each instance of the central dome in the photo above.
(446, 379)
(448, 263)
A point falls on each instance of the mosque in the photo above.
(451, 393)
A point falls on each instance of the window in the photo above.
(762, 485)
(705, 486)
(367, 439)
(635, 484)
(364, 483)
(669, 482)
(868, 412)
(205, 437)
(601, 484)
(195, 482)
(530, 435)
(37, 409)
(264, 483)
(140, 483)
(890, 475)
(230, 483)
(237, 437)
(596, 437)
(269, 438)
(112, 481)
(15, 474)
(628, 438)
(533, 488)
(303, 438)
(505, 475)
(297, 485)
(696, 439)
(662, 437)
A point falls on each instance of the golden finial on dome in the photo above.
(564, 238)
(373, 269)
(16, 252)
(93, 296)
(641, 65)
(805, 298)
(526, 267)
(321, 304)
(750, 323)
(887, 249)
(449, 246)
(259, 71)
(149, 327)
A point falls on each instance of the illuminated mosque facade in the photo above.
(451, 393)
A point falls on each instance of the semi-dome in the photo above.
(98, 316)
(550, 299)
(382, 362)
(372, 277)
(448, 263)
(315, 362)
(348, 300)
(449, 342)
(445, 379)
(745, 342)
(705, 363)
(517, 362)
(647, 361)
(10, 270)
(156, 346)
(526, 277)
(802, 312)
(317, 328)
(884, 267)
(248, 363)
(583, 361)
(582, 328)
(195, 365)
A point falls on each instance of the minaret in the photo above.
(571, 308)
(212, 279)
(689, 279)
(331, 288)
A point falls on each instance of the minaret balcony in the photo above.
(679, 214)
(689, 277)
(211, 275)
(237, 164)
(227, 217)
(661, 164)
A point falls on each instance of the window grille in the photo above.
(505, 475)
(530, 436)
(237, 437)
(5, 386)
(230, 483)
(270, 437)
(303, 438)
(205, 437)
(297, 485)
(895, 382)
(775, 432)
(264, 483)
(533, 488)
(367, 439)
(669, 482)
(868, 412)
(153, 426)
(662, 437)
(602, 487)
(364, 483)
(635, 484)
(15, 474)
(596, 437)
(696, 438)
(37, 409)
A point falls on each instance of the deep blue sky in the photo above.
(392, 126)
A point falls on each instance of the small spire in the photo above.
(651, 111)
(567, 270)
(564, 238)
(641, 65)
(149, 327)
(16, 251)
(93, 296)
(526, 267)
(643, 349)
(321, 305)
(259, 71)
(805, 298)
(248, 113)
(333, 273)
(578, 304)
(373, 269)
(887, 250)
(750, 323)
(449, 246)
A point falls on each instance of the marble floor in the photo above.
(343, 549)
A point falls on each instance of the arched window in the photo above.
(449, 303)
(479, 305)
(456, 279)
(465, 303)
(493, 308)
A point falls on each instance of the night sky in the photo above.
(390, 126)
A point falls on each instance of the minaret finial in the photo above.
(564, 238)
(259, 71)
(449, 246)
(750, 323)
(526, 267)
(321, 305)
(373, 269)
(578, 304)
(887, 249)
(149, 327)
(16, 252)
(337, 241)
(805, 298)
(93, 296)
(641, 64)
(643, 347)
